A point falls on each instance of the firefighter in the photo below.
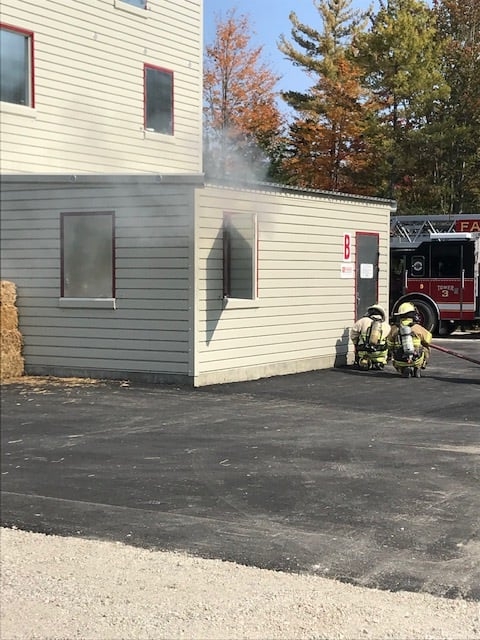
(408, 342)
(369, 336)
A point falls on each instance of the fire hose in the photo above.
(455, 353)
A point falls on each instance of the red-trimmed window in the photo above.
(240, 255)
(87, 255)
(158, 99)
(16, 66)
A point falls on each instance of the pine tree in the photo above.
(457, 122)
(401, 57)
(326, 145)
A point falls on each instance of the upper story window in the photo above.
(240, 256)
(141, 4)
(87, 255)
(158, 100)
(134, 7)
(16, 66)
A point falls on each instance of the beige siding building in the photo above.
(93, 72)
(127, 264)
(127, 277)
(305, 297)
(140, 324)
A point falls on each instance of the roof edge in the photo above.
(282, 188)
(102, 178)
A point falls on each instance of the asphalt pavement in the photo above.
(364, 477)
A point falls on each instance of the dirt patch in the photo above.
(44, 381)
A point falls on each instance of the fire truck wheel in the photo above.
(428, 316)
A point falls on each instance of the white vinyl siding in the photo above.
(304, 310)
(89, 88)
(170, 318)
(149, 330)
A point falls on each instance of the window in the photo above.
(134, 7)
(141, 4)
(240, 256)
(87, 255)
(417, 267)
(450, 258)
(16, 66)
(158, 100)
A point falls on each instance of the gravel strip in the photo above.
(55, 587)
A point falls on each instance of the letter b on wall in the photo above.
(347, 247)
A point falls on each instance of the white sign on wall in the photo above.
(346, 270)
(366, 271)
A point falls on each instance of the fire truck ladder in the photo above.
(410, 231)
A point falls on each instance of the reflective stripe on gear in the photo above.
(375, 357)
(401, 364)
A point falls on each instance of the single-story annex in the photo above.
(166, 278)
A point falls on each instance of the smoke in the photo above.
(228, 155)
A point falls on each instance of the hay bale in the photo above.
(8, 293)
(8, 318)
(11, 341)
(11, 366)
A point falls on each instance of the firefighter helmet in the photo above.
(376, 311)
(406, 310)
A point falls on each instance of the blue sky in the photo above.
(269, 19)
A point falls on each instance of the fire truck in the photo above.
(435, 264)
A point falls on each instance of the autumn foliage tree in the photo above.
(242, 122)
(393, 109)
(327, 145)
